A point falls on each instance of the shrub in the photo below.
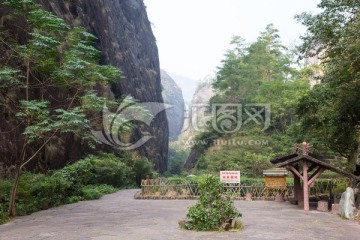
(95, 170)
(5, 188)
(72, 199)
(142, 168)
(91, 192)
(79, 172)
(176, 180)
(340, 187)
(89, 178)
(213, 208)
(177, 160)
(110, 170)
(3, 215)
(25, 202)
(50, 191)
(38, 191)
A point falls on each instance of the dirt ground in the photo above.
(119, 216)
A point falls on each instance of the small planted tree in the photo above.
(214, 210)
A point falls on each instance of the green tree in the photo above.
(247, 66)
(330, 112)
(176, 160)
(262, 72)
(50, 55)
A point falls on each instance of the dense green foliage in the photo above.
(326, 114)
(55, 57)
(213, 208)
(176, 161)
(330, 112)
(259, 74)
(53, 86)
(250, 159)
(87, 179)
(262, 73)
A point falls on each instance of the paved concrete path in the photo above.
(119, 216)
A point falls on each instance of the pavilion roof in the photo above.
(292, 158)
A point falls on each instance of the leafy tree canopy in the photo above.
(330, 112)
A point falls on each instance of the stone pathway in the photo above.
(119, 216)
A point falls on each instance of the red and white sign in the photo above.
(230, 176)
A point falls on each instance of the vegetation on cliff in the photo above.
(50, 82)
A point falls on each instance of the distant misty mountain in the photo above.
(187, 85)
(172, 95)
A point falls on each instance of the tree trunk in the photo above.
(27, 79)
(12, 210)
(20, 166)
(357, 162)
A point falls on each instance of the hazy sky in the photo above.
(193, 35)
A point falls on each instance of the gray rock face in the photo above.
(126, 41)
(198, 112)
(187, 85)
(201, 98)
(172, 95)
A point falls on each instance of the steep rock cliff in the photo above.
(126, 41)
(197, 122)
(173, 96)
(198, 113)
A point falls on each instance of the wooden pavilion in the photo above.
(307, 169)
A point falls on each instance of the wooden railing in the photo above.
(161, 189)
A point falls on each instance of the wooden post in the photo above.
(298, 194)
(306, 186)
(147, 184)
(305, 148)
(297, 189)
(295, 148)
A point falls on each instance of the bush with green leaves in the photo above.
(96, 170)
(5, 188)
(87, 179)
(91, 192)
(110, 170)
(213, 208)
(177, 160)
(142, 168)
